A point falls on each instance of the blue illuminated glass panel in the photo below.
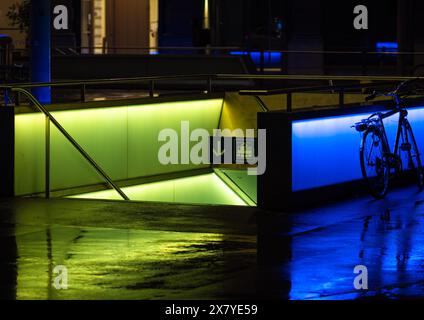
(325, 151)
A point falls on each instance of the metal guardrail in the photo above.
(18, 89)
(151, 81)
(210, 78)
(340, 90)
(50, 118)
(314, 77)
(206, 77)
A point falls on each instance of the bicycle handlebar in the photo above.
(371, 97)
(375, 94)
(396, 93)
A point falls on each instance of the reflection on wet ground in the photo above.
(116, 250)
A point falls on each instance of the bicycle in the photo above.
(377, 160)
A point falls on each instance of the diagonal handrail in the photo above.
(49, 117)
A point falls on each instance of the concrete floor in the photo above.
(116, 250)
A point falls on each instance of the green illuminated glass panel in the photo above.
(122, 140)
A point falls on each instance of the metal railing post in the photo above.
(341, 98)
(262, 61)
(47, 157)
(152, 89)
(289, 101)
(6, 97)
(17, 99)
(209, 84)
(83, 93)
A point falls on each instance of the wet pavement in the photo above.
(117, 250)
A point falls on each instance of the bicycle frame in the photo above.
(401, 123)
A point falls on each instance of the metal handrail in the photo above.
(206, 77)
(261, 103)
(105, 81)
(308, 89)
(82, 84)
(340, 90)
(314, 77)
(49, 118)
(245, 49)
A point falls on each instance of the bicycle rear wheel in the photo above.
(413, 155)
(374, 165)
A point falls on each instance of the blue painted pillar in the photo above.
(41, 47)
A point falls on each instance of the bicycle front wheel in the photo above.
(374, 165)
(413, 155)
